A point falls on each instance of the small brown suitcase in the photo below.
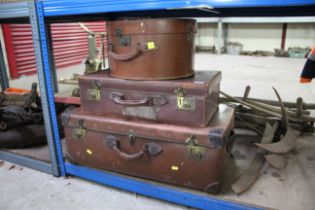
(190, 101)
(186, 156)
(151, 49)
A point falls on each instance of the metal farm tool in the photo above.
(276, 154)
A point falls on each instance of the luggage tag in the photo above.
(151, 45)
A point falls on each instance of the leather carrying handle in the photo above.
(129, 156)
(126, 56)
(120, 99)
(149, 148)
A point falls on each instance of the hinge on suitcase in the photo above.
(94, 93)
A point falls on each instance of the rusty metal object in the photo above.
(276, 160)
(262, 108)
(29, 135)
(290, 105)
(258, 112)
(71, 80)
(284, 118)
(186, 156)
(251, 174)
(286, 144)
(28, 100)
(151, 49)
(191, 101)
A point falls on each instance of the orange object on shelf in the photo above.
(16, 91)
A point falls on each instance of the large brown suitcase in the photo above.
(191, 101)
(151, 49)
(187, 156)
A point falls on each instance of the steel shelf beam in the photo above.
(155, 191)
(26, 161)
(80, 7)
(10, 10)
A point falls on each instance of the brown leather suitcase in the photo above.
(186, 156)
(151, 49)
(190, 101)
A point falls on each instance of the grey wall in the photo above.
(257, 36)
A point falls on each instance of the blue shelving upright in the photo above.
(21, 12)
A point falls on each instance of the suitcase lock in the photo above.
(79, 133)
(94, 93)
(184, 103)
(193, 150)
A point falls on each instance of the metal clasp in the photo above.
(94, 93)
(193, 150)
(184, 103)
(79, 133)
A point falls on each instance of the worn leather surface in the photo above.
(169, 54)
(173, 163)
(202, 89)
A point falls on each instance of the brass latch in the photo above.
(94, 93)
(184, 103)
(193, 150)
(79, 133)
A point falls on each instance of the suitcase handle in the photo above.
(119, 98)
(126, 56)
(149, 148)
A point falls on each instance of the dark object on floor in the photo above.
(151, 49)
(191, 101)
(308, 72)
(281, 53)
(200, 48)
(186, 156)
(257, 53)
(14, 116)
(29, 135)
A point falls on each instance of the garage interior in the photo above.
(257, 52)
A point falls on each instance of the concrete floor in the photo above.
(290, 188)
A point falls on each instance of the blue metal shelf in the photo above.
(155, 191)
(26, 162)
(14, 10)
(80, 7)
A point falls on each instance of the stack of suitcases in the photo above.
(151, 115)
